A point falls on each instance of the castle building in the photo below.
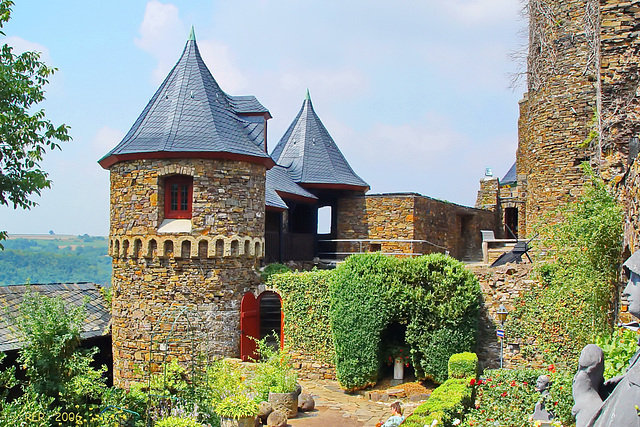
(197, 205)
(581, 105)
(187, 213)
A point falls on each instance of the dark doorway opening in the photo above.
(270, 305)
(393, 344)
(511, 223)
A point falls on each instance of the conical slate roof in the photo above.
(312, 157)
(190, 116)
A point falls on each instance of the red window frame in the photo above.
(178, 197)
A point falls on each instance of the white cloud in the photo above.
(21, 45)
(161, 34)
(218, 58)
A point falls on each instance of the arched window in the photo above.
(178, 194)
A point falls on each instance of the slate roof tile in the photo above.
(190, 112)
(96, 323)
(279, 184)
(510, 177)
(311, 155)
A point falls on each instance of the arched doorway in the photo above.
(271, 317)
(259, 318)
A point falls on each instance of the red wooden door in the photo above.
(249, 326)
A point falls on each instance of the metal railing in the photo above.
(361, 250)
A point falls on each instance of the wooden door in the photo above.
(249, 326)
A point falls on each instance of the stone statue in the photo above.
(615, 402)
(541, 413)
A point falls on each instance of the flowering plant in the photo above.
(397, 351)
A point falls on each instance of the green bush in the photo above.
(237, 406)
(508, 397)
(178, 422)
(463, 365)
(273, 372)
(447, 403)
(306, 309)
(618, 348)
(435, 296)
(577, 260)
(272, 269)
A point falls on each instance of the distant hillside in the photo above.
(52, 258)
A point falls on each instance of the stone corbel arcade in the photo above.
(135, 247)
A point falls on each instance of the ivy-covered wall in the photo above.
(306, 305)
(351, 317)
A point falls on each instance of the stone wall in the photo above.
(488, 194)
(310, 369)
(501, 285)
(182, 289)
(559, 106)
(426, 225)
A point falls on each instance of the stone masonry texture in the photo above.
(182, 290)
(446, 226)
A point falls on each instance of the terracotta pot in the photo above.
(242, 422)
(286, 402)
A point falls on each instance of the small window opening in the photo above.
(178, 197)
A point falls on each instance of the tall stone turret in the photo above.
(187, 215)
(557, 110)
(582, 104)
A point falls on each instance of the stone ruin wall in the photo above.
(411, 217)
(207, 271)
(501, 285)
(559, 106)
(620, 50)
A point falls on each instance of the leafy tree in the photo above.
(25, 133)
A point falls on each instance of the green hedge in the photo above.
(446, 404)
(463, 365)
(435, 296)
(306, 306)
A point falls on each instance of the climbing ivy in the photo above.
(433, 295)
(577, 264)
(306, 305)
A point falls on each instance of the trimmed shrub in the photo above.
(463, 365)
(272, 269)
(435, 296)
(446, 404)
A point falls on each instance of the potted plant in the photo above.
(398, 356)
(237, 411)
(274, 380)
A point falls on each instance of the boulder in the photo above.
(277, 418)
(306, 402)
(264, 409)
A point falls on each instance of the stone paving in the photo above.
(336, 408)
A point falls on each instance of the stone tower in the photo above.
(556, 111)
(187, 214)
(582, 102)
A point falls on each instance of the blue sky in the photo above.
(414, 92)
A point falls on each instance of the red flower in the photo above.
(552, 368)
(472, 382)
(525, 383)
(504, 393)
(513, 384)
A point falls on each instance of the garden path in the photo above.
(335, 408)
